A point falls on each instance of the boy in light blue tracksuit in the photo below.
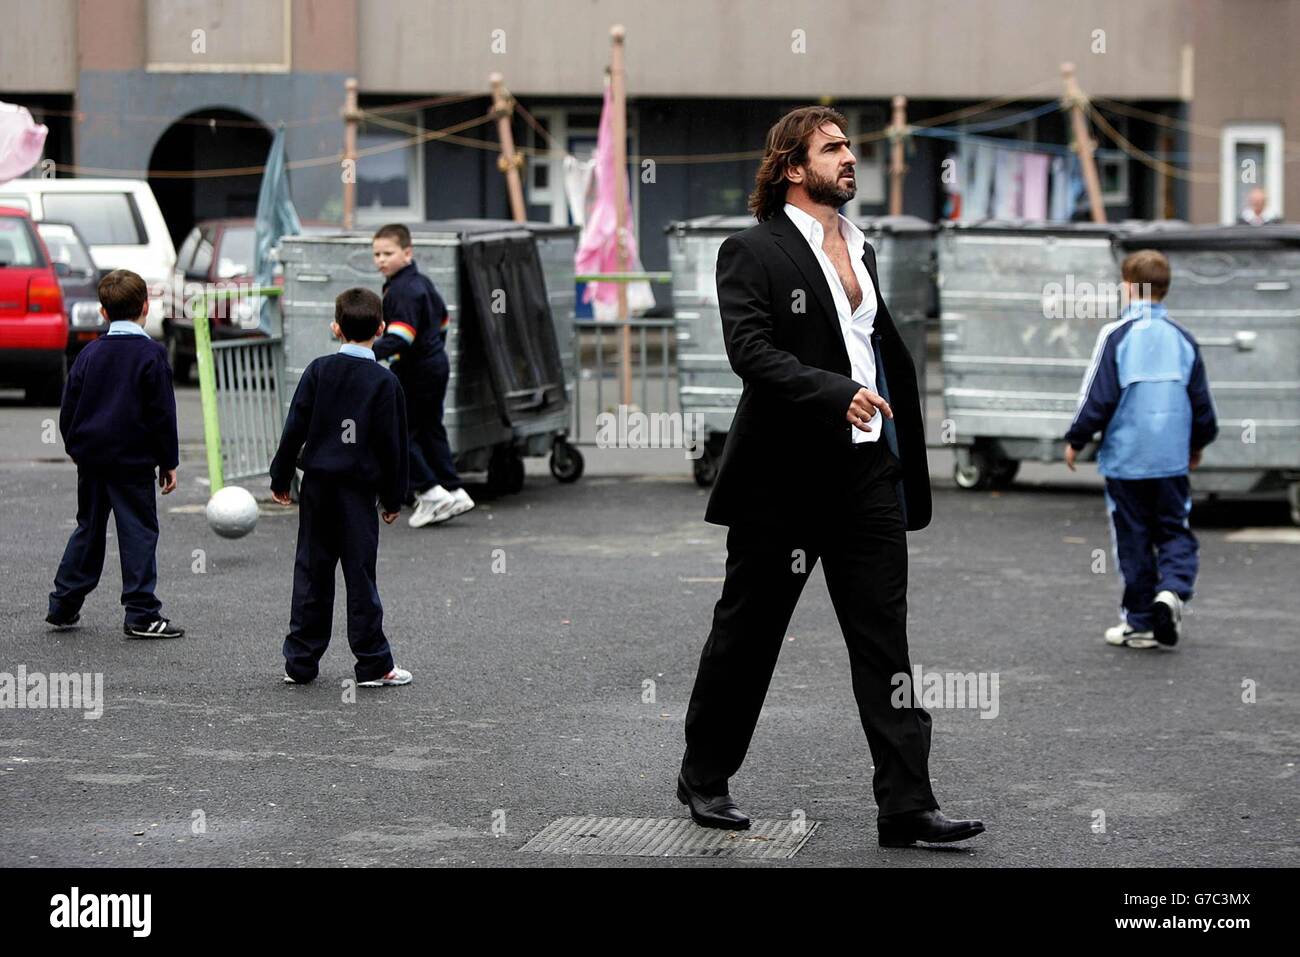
(1146, 388)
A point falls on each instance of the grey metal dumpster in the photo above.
(557, 246)
(1237, 289)
(706, 384)
(543, 431)
(1021, 309)
(493, 414)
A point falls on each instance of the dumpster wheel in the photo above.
(973, 470)
(979, 468)
(567, 462)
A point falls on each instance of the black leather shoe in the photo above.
(903, 830)
(720, 811)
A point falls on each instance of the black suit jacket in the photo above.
(784, 341)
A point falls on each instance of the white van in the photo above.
(119, 219)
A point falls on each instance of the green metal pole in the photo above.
(208, 393)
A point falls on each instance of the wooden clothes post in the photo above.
(350, 117)
(896, 167)
(1083, 144)
(618, 105)
(509, 161)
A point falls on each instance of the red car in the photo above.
(33, 326)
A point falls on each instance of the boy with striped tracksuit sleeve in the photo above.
(1146, 388)
(414, 343)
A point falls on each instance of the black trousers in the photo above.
(336, 524)
(430, 452)
(135, 514)
(862, 544)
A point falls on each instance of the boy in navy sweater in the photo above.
(118, 421)
(348, 418)
(416, 321)
(1146, 388)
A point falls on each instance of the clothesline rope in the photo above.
(931, 126)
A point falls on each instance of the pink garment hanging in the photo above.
(22, 141)
(598, 246)
(1033, 185)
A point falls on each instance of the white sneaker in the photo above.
(462, 503)
(432, 506)
(1168, 611)
(398, 676)
(1126, 636)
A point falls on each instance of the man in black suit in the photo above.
(830, 396)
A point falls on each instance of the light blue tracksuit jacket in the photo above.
(1146, 388)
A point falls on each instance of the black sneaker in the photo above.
(158, 628)
(61, 624)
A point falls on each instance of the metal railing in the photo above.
(239, 388)
(250, 407)
(597, 356)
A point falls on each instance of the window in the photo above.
(1250, 158)
(65, 248)
(390, 173)
(17, 202)
(546, 171)
(236, 257)
(187, 251)
(202, 256)
(1112, 170)
(16, 245)
(104, 219)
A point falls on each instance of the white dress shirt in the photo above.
(858, 324)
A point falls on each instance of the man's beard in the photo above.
(827, 192)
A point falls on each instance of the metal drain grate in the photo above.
(670, 837)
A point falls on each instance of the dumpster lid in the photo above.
(718, 223)
(1032, 227)
(894, 224)
(733, 224)
(1237, 236)
(469, 226)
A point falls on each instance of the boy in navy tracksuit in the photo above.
(348, 418)
(416, 322)
(118, 421)
(1146, 387)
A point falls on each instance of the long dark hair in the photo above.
(786, 146)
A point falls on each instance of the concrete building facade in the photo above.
(1202, 92)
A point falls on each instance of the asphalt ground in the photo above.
(528, 701)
